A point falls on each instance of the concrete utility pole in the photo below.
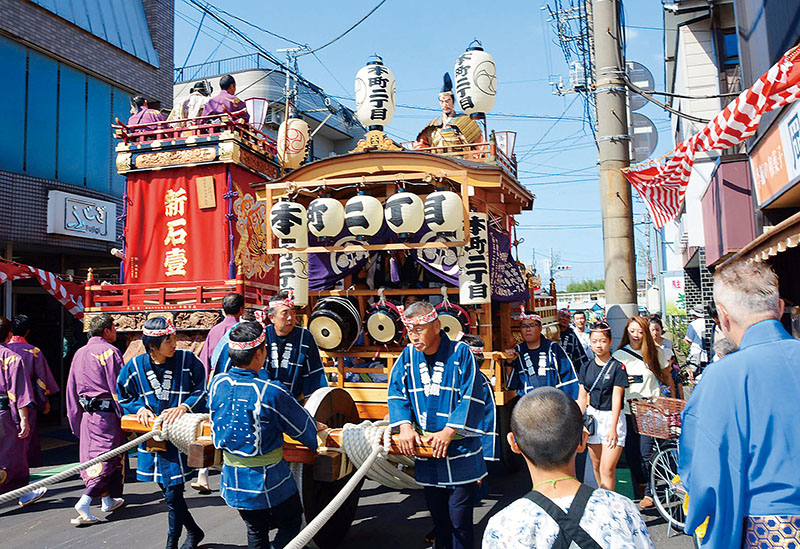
(613, 155)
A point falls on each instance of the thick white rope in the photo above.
(181, 433)
(9, 496)
(300, 541)
(358, 442)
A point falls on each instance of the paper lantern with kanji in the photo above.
(475, 80)
(289, 220)
(375, 94)
(293, 271)
(404, 213)
(444, 212)
(363, 215)
(325, 217)
(292, 142)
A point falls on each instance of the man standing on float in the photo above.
(436, 395)
(292, 354)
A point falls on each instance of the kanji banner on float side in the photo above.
(663, 186)
(69, 294)
(178, 226)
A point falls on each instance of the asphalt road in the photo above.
(386, 519)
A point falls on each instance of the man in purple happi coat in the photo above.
(226, 101)
(144, 115)
(16, 398)
(233, 307)
(94, 416)
(42, 382)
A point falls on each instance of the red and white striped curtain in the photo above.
(663, 186)
(69, 294)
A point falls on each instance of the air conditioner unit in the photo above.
(274, 116)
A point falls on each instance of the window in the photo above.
(730, 49)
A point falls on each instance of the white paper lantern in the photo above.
(325, 217)
(444, 212)
(404, 213)
(375, 94)
(293, 275)
(289, 221)
(475, 80)
(292, 142)
(363, 215)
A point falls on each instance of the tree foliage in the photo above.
(586, 285)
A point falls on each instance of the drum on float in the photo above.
(335, 323)
(453, 318)
(384, 323)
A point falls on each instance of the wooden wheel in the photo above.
(334, 407)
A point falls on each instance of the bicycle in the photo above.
(660, 418)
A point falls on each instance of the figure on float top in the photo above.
(451, 128)
(141, 113)
(226, 102)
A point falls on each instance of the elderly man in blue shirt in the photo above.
(739, 457)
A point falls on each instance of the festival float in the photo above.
(213, 205)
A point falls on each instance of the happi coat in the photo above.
(16, 386)
(93, 373)
(43, 384)
(139, 386)
(294, 361)
(225, 102)
(146, 116)
(739, 440)
(249, 415)
(573, 346)
(546, 366)
(213, 338)
(448, 393)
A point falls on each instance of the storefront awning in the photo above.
(782, 237)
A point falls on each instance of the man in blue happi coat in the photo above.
(539, 362)
(292, 354)
(437, 394)
(739, 458)
(249, 415)
(165, 382)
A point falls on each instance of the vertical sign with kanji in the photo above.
(473, 263)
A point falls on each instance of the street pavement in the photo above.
(386, 518)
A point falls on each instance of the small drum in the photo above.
(453, 318)
(335, 323)
(384, 323)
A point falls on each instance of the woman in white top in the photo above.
(657, 331)
(647, 370)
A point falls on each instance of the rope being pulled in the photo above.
(358, 442)
(181, 433)
(14, 494)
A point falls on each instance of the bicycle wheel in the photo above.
(667, 498)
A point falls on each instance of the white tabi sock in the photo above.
(82, 507)
(109, 503)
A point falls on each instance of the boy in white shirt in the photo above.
(547, 429)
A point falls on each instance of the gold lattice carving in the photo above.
(376, 140)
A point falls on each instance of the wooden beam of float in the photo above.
(293, 451)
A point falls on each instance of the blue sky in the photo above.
(419, 41)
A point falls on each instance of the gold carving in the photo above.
(172, 158)
(251, 218)
(229, 151)
(123, 162)
(258, 164)
(376, 140)
(206, 195)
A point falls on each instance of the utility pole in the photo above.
(613, 155)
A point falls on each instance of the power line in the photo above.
(357, 23)
(550, 128)
(194, 41)
(262, 29)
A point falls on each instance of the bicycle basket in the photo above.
(658, 417)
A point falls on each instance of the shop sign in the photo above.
(775, 161)
(82, 217)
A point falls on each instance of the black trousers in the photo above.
(287, 517)
(178, 513)
(639, 450)
(451, 510)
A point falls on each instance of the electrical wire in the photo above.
(664, 106)
(262, 29)
(561, 116)
(194, 41)
(357, 23)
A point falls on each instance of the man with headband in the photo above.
(539, 362)
(249, 415)
(292, 354)
(570, 341)
(165, 382)
(436, 394)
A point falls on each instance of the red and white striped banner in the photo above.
(69, 294)
(663, 186)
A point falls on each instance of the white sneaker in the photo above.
(113, 504)
(32, 497)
